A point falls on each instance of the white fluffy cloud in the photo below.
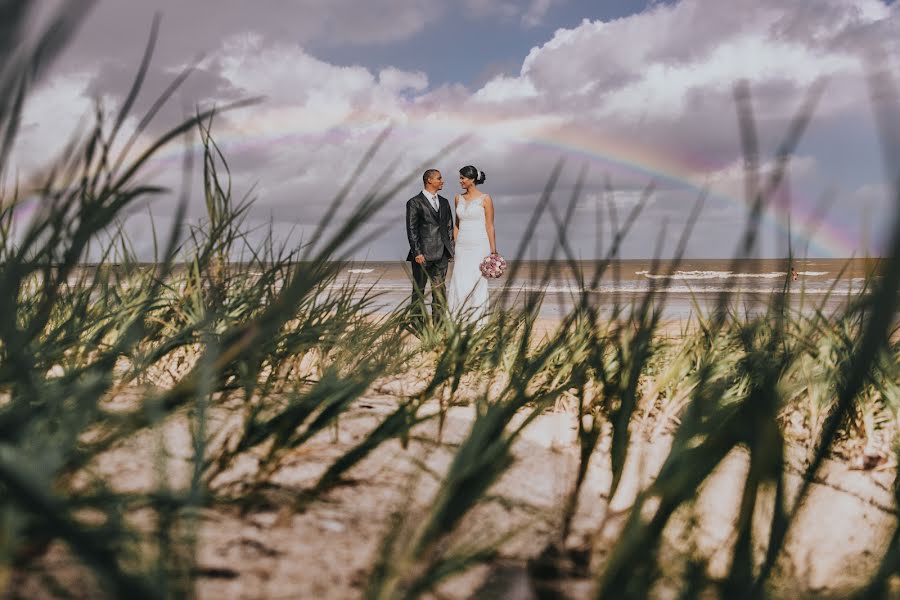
(655, 65)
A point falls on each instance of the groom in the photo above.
(429, 228)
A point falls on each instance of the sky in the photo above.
(640, 95)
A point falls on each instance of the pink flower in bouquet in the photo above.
(493, 266)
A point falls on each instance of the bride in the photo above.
(467, 291)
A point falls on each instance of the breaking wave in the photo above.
(707, 275)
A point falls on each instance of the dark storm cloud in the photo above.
(202, 89)
(118, 28)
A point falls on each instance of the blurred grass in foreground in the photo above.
(260, 357)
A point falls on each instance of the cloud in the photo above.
(652, 64)
(203, 88)
(483, 9)
(661, 82)
(877, 204)
(648, 96)
(60, 105)
(729, 181)
(536, 12)
(189, 28)
(395, 80)
(656, 89)
(529, 13)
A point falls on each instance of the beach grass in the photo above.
(260, 359)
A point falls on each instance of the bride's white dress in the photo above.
(467, 290)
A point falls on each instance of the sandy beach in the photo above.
(326, 549)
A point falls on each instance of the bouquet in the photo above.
(493, 266)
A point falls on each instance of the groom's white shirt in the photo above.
(432, 198)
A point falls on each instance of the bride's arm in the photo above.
(489, 222)
(455, 217)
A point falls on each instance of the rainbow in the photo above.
(617, 155)
(794, 219)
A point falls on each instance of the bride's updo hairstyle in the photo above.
(470, 172)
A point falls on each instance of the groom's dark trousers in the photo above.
(430, 234)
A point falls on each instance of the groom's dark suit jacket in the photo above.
(430, 232)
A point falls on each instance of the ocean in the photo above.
(819, 283)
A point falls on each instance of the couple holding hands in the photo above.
(436, 237)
